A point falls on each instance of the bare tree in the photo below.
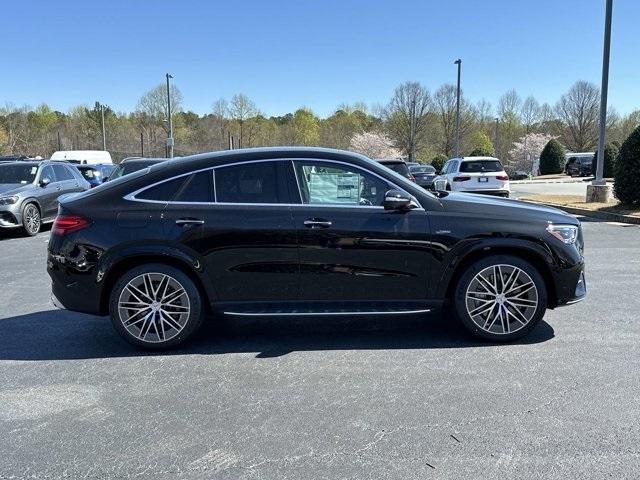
(154, 104)
(219, 117)
(241, 109)
(406, 116)
(578, 109)
(509, 106)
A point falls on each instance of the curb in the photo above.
(610, 217)
(526, 182)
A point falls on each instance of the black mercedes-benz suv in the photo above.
(304, 231)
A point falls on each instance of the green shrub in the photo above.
(552, 158)
(482, 146)
(610, 155)
(627, 170)
(438, 162)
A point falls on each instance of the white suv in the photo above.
(474, 175)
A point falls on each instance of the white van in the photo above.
(85, 157)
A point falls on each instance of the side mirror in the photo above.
(440, 185)
(45, 181)
(396, 200)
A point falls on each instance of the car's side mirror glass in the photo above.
(45, 181)
(396, 200)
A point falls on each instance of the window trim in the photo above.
(132, 196)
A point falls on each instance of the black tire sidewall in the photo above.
(459, 297)
(24, 219)
(195, 300)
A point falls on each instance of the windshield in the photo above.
(399, 167)
(476, 166)
(423, 169)
(127, 168)
(90, 173)
(16, 173)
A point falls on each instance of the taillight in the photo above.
(461, 179)
(502, 177)
(64, 224)
(412, 178)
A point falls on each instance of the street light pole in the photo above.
(598, 191)
(170, 134)
(104, 137)
(457, 147)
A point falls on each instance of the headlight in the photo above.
(565, 233)
(10, 200)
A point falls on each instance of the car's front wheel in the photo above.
(500, 298)
(31, 220)
(155, 306)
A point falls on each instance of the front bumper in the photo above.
(10, 219)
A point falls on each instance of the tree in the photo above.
(241, 109)
(406, 117)
(305, 128)
(627, 170)
(527, 149)
(610, 155)
(374, 145)
(482, 146)
(578, 110)
(438, 162)
(552, 158)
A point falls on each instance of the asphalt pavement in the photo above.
(402, 398)
(574, 188)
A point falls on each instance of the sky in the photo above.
(313, 53)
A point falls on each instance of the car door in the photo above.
(49, 192)
(350, 247)
(69, 183)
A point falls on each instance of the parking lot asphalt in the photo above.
(405, 398)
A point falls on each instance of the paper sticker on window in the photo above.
(34, 170)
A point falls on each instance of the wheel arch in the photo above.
(126, 263)
(532, 255)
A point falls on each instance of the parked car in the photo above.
(84, 157)
(518, 175)
(13, 158)
(304, 231)
(474, 175)
(398, 166)
(579, 164)
(424, 175)
(29, 192)
(412, 164)
(95, 174)
(132, 165)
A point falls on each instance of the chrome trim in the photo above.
(131, 196)
(282, 314)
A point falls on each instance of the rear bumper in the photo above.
(73, 290)
(497, 192)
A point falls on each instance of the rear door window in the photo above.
(256, 182)
(481, 166)
(197, 189)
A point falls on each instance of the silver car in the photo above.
(29, 192)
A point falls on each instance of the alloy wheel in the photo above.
(32, 219)
(154, 307)
(501, 299)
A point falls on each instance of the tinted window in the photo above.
(323, 183)
(47, 172)
(90, 173)
(248, 183)
(399, 167)
(197, 188)
(62, 173)
(17, 173)
(481, 166)
(163, 192)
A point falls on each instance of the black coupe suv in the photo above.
(304, 231)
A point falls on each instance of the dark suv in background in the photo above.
(29, 192)
(304, 231)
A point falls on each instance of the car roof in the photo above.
(390, 160)
(471, 159)
(144, 161)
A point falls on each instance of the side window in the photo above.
(163, 192)
(47, 172)
(62, 173)
(445, 169)
(197, 188)
(326, 183)
(249, 183)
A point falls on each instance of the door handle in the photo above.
(189, 221)
(317, 223)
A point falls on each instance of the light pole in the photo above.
(598, 191)
(170, 134)
(104, 137)
(457, 147)
(495, 142)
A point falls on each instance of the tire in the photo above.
(31, 219)
(499, 317)
(142, 319)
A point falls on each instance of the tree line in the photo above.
(416, 123)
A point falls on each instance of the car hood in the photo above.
(13, 188)
(504, 207)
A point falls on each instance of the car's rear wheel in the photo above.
(155, 306)
(500, 298)
(31, 220)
